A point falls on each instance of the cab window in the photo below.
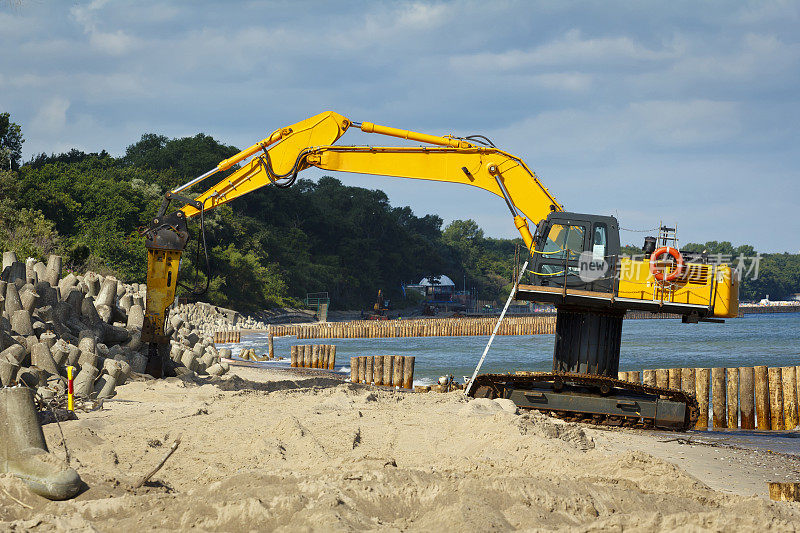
(599, 243)
(564, 241)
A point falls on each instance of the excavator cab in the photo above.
(576, 250)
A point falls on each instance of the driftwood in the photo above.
(16, 500)
(150, 474)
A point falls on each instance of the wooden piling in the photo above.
(797, 376)
(701, 383)
(763, 418)
(293, 356)
(662, 378)
(397, 373)
(362, 369)
(675, 378)
(271, 345)
(308, 354)
(368, 376)
(315, 356)
(787, 492)
(718, 398)
(328, 354)
(378, 370)
(789, 379)
(388, 370)
(354, 362)
(687, 381)
(634, 376)
(408, 372)
(732, 392)
(649, 378)
(622, 376)
(776, 399)
(746, 397)
(332, 357)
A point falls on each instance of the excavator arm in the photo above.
(449, 159)
(277, 160)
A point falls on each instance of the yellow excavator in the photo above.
(575, 263)
(380, 309)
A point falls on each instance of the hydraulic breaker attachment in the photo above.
(162, 277)
(165, 241)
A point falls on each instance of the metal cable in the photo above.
(496, 327)
(639, 230)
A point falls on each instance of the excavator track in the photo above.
(584, 397)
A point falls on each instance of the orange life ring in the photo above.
(659, 274)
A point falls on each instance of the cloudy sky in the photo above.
(687, 112)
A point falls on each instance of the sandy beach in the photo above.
(272, 450)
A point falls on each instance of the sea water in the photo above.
(763, 339)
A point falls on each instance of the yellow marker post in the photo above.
(70, 389)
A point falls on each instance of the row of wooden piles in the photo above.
(314, 356)
(425, 327)
(383, 370)
(224, 337)
(745, 397)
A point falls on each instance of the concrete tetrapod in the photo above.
(8, 372)
(24, 453)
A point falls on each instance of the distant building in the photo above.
(435, 288)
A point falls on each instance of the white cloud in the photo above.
(570, 49)
(51, 116)
(563, 81)
(768, 11)
(418, 16)
(684, 123)
(755, 56)
(113, 43)
(645, 125)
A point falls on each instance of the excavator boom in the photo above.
(277, 160)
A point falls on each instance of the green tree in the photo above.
(245, 282)
(27, 232)
(10, 143)
(73, 156)
(185, 158)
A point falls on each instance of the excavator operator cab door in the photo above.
(576, 250)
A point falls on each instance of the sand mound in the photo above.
(236, 383)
